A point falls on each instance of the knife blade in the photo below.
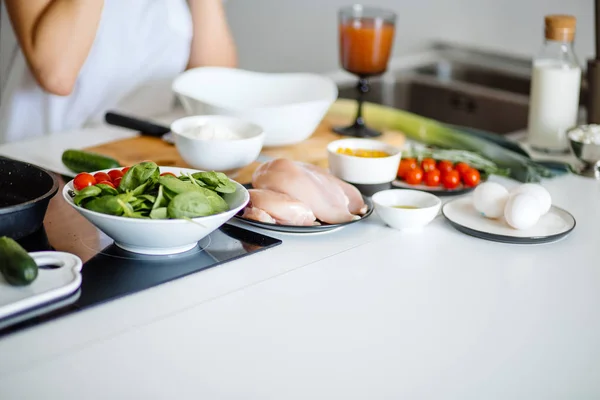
(144, 127)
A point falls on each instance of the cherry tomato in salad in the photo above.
(168, 173)
(451, 179)
(444, 166)
(117, 182)
(471, 177)
(462, 167)
(115, 173)
(109, 183)
(101, 176)
(414, 176)
(428, 164)
(125, 170)
(83, 180)
(432, 178)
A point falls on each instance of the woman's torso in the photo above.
(140, 46)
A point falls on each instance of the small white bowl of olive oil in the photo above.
(406, 209)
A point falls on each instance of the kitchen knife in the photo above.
(146, 128)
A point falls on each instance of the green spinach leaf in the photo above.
(160, 200)
(87, 193)
(106, 205)
(217, 181)
(138, 175)
(175, 185)
(107, 189)
(159, 213)
(189, 205)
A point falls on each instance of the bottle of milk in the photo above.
(555, 86)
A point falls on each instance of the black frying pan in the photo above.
(25, 191)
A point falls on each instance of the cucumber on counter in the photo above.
(83, 161)
(16, 265)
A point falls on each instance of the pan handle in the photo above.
(144, 127)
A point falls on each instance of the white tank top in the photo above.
(140, 46)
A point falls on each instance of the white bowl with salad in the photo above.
(156, 210)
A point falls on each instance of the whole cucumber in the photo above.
(16, 265)
(83, 161)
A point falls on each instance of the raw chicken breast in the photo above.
(357, 204)
(328, 202)
(273, 207)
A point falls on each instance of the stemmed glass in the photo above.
(366, 36)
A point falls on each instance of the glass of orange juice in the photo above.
(366, 36)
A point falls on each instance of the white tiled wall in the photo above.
(301, 35)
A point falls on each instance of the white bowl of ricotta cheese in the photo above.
(217, 143)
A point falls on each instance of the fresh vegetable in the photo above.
(445, 166)
(470, 177)
(433, 133)
(414, 176)
(83, 180)
(125, 170)
(143, 192)
(16, 265)
(107, 183)
(406, 164)
(451, 179)
(432, 177)
(428, 164)
(462, 167)
(82, 161)
(102, 176)
(115, 174)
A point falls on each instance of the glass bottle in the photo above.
(555, 87)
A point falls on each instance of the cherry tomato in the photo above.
(83, 180)
(444, 166)
(471, 177)
(168, 173)
(125, 170)
(414, 176)
(115, 173)
(432, 178)
(406, 164)
(462, 167)
(117, 182)
(102, 176)
(451, 179)
(428, 164)
(109, 183)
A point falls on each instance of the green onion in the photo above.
(433, 133)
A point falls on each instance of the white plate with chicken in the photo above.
(295, 197)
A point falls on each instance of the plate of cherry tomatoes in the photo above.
(437, 176)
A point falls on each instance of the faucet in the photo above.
(593, 74)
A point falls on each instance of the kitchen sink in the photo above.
(461, 87)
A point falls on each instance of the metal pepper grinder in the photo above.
(593, 74)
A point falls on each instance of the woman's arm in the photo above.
(55, 37)
(212, 42)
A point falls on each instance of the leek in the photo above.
(433, 133)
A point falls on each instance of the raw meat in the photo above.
(273, 207)
(356, 202)
(328, 202)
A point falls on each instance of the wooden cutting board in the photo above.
(313, 150)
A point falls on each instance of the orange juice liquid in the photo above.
(365, 46)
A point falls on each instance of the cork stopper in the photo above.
(560, 27)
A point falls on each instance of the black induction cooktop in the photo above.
(113, 272)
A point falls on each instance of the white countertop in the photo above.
(366, 312)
